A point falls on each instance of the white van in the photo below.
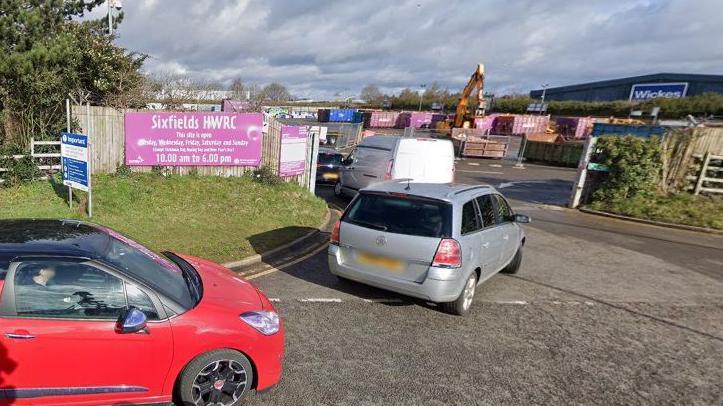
(382, 157)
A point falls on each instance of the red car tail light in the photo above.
(335, 233)
(448, 255)
(390, 166)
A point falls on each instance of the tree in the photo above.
(275, 92)
(45, 54)
(237, 89)
(372, 95)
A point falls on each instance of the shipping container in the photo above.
(574, 128)
(403, 120)
(323, 115)
(436, 119)
(600, 129)
(563, 154)
(503, 124)
(420, 119)
(380, 119)
(529, 124)
(485, 123)
(344, 116)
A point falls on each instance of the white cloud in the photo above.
(318, 48)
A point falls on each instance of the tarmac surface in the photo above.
(603, 311)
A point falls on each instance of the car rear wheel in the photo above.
(463, 303)
(337, 189)
(218, 378)
(514, 265)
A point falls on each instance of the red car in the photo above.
(89, 317)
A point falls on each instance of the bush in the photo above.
(19, 171)
(123, 170)
(634, 165)
(266, 176)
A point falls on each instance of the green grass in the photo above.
(681, 208)
(222, 219)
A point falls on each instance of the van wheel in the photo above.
(337, 190)
(514, 265)
(463, 303)
(221, 377)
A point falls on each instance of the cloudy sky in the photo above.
(321, 48)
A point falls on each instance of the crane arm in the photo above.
(476, 82)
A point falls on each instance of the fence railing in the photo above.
(39, 155)
(709, 177)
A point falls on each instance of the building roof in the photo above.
(656, 77)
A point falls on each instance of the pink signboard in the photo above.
(193, 139)
(292, 159)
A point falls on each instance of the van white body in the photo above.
(381, 157)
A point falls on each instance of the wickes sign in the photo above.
(647, 91)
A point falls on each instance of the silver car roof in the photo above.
(449, 192)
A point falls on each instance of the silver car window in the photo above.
(487, 210)
(504, 213)
(470, 222)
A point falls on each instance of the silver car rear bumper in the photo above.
(440, 285)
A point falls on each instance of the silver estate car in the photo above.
(436, 242)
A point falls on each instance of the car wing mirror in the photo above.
(521, 218)
(131, 320)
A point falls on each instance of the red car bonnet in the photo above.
(222, 286)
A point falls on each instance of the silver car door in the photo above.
(509, 229)
(492, 237)
(473, 252)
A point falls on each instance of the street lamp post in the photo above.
(111, 4)
(421, 95)
(542, 103)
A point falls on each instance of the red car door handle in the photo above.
(20, 335)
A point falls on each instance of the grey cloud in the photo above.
(319, 48)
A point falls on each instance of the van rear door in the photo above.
(424, 160)
(395, 236)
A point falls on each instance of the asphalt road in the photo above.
(602, 312)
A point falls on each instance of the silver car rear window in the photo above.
(408, 215)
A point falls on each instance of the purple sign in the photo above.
(292, 159)
(193, 139)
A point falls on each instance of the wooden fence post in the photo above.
(702, 174)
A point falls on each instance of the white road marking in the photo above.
(513, 302)
(321, 300)
(495, 166)
(383, 301)
(489, 172)
(473, 163)
(504, 185)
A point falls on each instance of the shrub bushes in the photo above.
(634, 165)
(19, 171)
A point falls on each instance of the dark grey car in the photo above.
(436, 242)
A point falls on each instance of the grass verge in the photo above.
(682, 208)
(218, 218)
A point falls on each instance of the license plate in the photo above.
(381, 262)
(330, 176)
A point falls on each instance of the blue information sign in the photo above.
(74, 156)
